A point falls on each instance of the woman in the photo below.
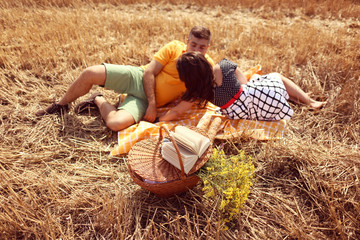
(262, 98)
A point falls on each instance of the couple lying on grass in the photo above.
(180, 69)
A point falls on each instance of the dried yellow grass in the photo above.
(57, 180)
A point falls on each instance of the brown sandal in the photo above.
(54, 108)
(88, 103)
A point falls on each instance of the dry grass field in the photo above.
(57, 180)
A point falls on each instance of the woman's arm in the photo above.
(240, 77)
(176, 111)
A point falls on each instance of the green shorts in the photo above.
(129, 80)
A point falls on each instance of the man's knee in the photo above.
(96, 75)
(119, 120)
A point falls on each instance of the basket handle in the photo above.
(176, 148)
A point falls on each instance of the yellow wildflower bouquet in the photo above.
(230, 178)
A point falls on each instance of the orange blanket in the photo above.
(262, 130)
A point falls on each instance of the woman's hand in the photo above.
(176, 111)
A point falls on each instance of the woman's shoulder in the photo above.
(216, 67)
(227, 62)
(227, 66)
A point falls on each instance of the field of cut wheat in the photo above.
(57, 179)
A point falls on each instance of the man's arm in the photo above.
(150, 73)
(176, 111)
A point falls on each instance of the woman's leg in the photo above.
(297, 95)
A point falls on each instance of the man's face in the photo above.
(195, 44)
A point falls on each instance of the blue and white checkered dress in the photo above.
(262, 98)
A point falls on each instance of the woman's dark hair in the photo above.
(197, 74)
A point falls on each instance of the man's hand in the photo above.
(150, 114)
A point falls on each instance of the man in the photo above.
(147, 87)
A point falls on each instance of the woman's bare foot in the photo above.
(316, 105)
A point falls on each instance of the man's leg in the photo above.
(123, 79)
(115, 119)
(94, 75)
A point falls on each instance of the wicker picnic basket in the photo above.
(150, 171)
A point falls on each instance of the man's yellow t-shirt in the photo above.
(168, 84)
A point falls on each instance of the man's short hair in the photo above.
(200, 32)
